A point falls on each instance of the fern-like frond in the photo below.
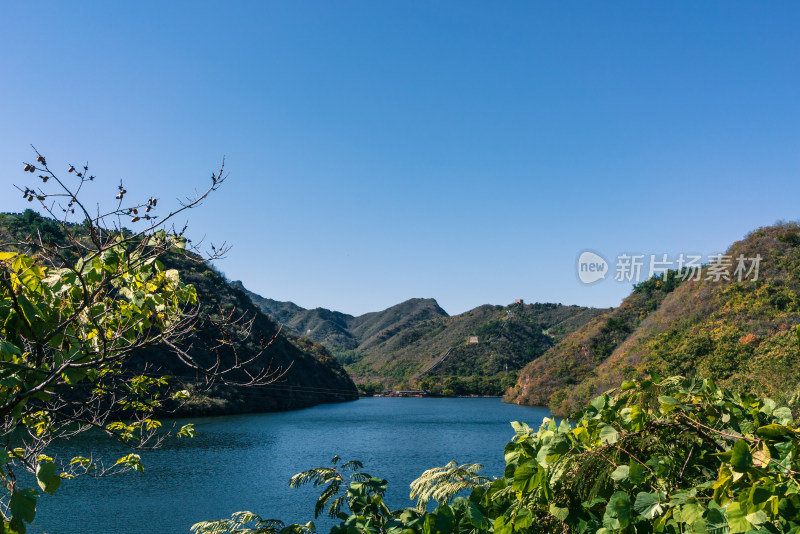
(352, 465)
(327, 494)
(318, 476)
(360, 477)
(442, 484)
(308, 528)
(336, 506)
(501, 494)
(239, 523)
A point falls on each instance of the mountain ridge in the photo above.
(310, 374)
(417, 344)
(740, 333)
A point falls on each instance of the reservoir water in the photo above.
(245, 462)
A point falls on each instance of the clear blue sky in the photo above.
(378, 151)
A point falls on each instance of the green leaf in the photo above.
(608, 435)
(691, 512)
(444, 520)
(633, 418)
(523, 519)
(667, 403)
(555, 448)
(620, 474)
(715, 519)
(187, 431)
(736, 518)
(637, 473)
(520, 428)
(628, 384)
(774, 431)
(618, 511)
(502, 526)
(475, 517)
(647, 505)
(15, 526)
(600, 402)
(47, 478)
(741, 458)
(527, 477)
(7, 347)
(73, 375)
(23, 504)
(560, 512)
(783, 415)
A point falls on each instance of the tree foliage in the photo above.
(77, 300)
(670, 455)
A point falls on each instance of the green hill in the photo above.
(312, 375)
(416, 344)
(438, 354)
(340, 331)
(741, 333)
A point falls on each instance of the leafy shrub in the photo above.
(673, 455)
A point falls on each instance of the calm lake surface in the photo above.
(245, 462)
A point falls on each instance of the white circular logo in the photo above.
(591, 267)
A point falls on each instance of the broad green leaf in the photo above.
(527, 477)
(647, 505)
(561, 512)
(23, 504)
(445, 520)
(783, 414)
(47, 478)
(736, 518)
(581, 434)
(557, 447)
(637, 473)
(608, 435)
(475, 517)
(9, 348)
(742, 458)
(599, 403)
(523, 519)
(756, 518)
(620, 474)
(73, 375)
(774, 431)
(691, 512)
(618, 511)
(502, 525)
(667, 403)
(633, 418)
(520, 428)
(715, 519)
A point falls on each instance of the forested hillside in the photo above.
(741, 333)
(309, 374)
(416, 344)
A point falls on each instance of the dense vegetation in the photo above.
(415, 344)
(311, 374)
(738, 332)
(344, 333)
(669, 455)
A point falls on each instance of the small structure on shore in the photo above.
(405, 393)
(473, 339)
